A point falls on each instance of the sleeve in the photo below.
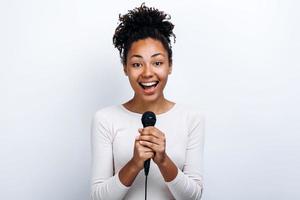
(188, 184)
(104, 183)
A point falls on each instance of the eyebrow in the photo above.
(157, 54)
(154, 55)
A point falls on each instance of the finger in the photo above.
(149, 155)
(140, 130)
(154, 147)
(157, 133)
(151, 130)
(152, 139)
(143, 148)
(145, 131)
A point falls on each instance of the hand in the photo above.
(141, 154)
(154, 139)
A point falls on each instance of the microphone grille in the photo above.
(148, 119)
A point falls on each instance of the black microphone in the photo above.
(148, 119)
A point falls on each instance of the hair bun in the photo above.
(146, 18)
(140, 23)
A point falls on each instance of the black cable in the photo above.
(146, 180)
(148, 119)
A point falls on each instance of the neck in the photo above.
(139, 106)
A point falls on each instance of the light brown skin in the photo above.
(147, 60)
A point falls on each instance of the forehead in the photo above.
(146, 47)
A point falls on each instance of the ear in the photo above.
(125, 70)
(170, 69)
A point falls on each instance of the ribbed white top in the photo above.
(113, 133)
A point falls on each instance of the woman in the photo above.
(120, 145)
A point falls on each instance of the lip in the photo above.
(148, 81)
(140, 83)
(149, 91)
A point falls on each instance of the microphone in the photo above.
(148, 119)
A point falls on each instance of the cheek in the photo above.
(163, 81)
(132, 76)
(133, 82)
(163, 74)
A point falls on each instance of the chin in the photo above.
(150, 98)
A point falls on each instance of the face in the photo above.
(147, 68)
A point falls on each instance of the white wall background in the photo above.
(236, 60)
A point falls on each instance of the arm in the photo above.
(188, 184)
(104, 184)
(140, 154)
(168, 169)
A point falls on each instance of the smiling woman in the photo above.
(120, 146)
(148, 68)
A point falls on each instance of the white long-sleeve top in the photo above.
(113, 133)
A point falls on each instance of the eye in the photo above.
(158, 63)
(136, 64)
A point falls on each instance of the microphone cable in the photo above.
(148, 119)
(146, 180)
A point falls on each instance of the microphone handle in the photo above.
(147, 167)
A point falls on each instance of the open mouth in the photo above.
(148, 84)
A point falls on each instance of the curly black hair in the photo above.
(141, 23)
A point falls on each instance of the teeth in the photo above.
(149, 84)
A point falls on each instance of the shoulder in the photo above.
(193, 116)
(107, 111)
(103, 119)
(190, 112)
(106, 114)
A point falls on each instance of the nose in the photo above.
(147, 71)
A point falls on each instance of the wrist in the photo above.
(163, 162)
(134, 165)
(128, 173)
(168, 169)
